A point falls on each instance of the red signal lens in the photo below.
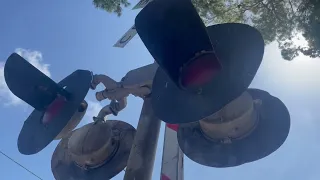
(200, 71)
(53, 109)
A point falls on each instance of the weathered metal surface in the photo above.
(270, 132)
(142, 76)
(137, 82)
(142, 155)
(235, 120)
(96, 151)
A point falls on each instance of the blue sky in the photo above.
(62, 36)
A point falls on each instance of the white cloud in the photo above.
(93, 110)
(35, 58)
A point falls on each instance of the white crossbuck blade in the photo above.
(123, 41)
(141, 4)
(172, 157)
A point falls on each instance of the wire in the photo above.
(20, 165)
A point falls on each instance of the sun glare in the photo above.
(301, 74)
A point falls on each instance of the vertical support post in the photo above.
(142, 155)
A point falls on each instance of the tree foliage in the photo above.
(111, 6)
(277, 20)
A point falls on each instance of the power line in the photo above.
(20, 165)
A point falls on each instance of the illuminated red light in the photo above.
(200, 71)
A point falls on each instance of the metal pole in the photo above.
(142, 155)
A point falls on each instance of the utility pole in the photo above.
(143, 151)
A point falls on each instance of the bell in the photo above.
(95, 151)
(249, 128)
